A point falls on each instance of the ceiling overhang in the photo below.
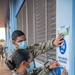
(3, 12)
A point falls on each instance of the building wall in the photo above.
(37, 19)
(65, 16)
(72, 48)
(11, 24)
(43, 16)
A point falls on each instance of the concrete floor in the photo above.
(4, 70)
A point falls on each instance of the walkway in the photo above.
(4, 69)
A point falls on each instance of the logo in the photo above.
(63, 47)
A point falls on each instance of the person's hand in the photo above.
(64, 72)
(58, 40)
(54, 65)
(53, 62)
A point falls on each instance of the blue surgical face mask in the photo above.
(31, 67)
(22, 45)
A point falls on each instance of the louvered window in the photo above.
(24, 18)
(51, 25)
(30, 22)
(20, 20)
(37, 19)
(40, 27)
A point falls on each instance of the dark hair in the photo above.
(18, 56)
(16, 34)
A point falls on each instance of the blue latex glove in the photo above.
(57, 71)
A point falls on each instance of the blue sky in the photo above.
(2, 33)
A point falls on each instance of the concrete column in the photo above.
(65, 16)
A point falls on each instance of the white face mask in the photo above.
(22, 45)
